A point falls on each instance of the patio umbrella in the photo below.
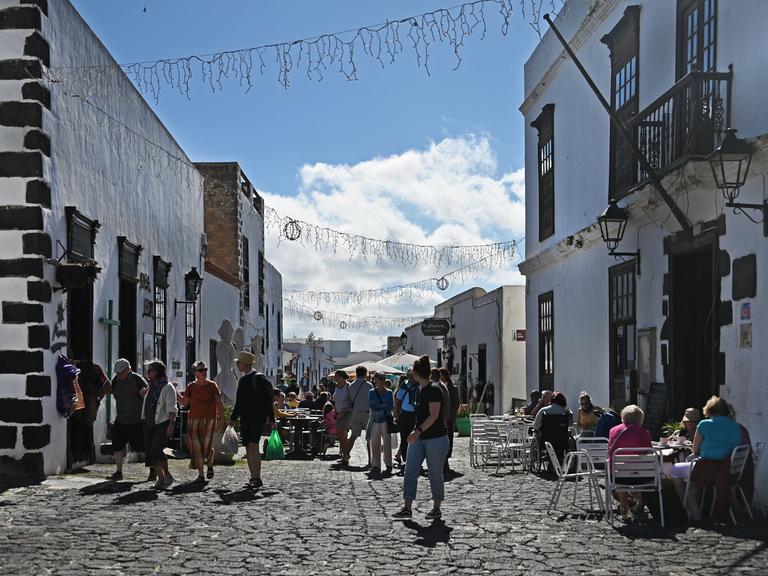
(373, 367)
(402, 361)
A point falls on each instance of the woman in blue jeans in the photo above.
(429, 440)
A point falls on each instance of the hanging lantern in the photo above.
(442, 283)
(730, 164)
(613, 222)
(317, 315)
(343, 325)
(292, 230)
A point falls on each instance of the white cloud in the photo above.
(449, 193)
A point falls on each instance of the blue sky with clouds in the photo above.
(425, 153)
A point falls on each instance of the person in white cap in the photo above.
(254, 408)
(126, 387)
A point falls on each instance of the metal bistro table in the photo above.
(299, 424)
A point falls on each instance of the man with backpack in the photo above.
(126, 387)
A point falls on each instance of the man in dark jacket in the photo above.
(254, 406)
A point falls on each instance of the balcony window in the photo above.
(546, 170)
(696, 36)
(624, 45)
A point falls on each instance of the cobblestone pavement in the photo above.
(311, 519)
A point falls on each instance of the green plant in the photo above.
(669, 428)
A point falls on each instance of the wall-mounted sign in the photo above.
(745, 335)
(175, 364)
(746, 311)
(148, 307)
(144, 281)
(520, 335)
(435, 326)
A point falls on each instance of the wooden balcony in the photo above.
(685, 123)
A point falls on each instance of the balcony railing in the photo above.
(686, 122)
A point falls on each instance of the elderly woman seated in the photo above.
(715, 438)
(629, 434)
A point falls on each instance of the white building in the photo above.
(76, 187)
(102, 241)
(311, 356)
(240, 286)
(485, 345)
(685, 319)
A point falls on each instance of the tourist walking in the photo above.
(358, 398)
(453, 411)
(404, 412)
(381, 403)
(429, 441)
(159, 415)
(206, 414)
(126, 387)
(254, 406)
(343, 408)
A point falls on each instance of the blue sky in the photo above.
(304, 145)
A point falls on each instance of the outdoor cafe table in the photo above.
(299, 424)
(672, 452)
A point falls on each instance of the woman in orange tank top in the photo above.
(205, 407)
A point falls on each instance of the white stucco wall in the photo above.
(274, 296)
(133, 189)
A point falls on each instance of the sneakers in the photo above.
(434, 514)
(116, 477)
(403, 513)
(255, 483)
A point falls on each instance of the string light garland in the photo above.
(317, 57)
(348, 321)
(324, 239)
(399, 293)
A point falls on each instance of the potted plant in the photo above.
(462, 420)
(672, 428)
(71, 275)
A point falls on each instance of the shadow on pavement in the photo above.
(451, 476)
(227, 497)
(191, 487)
(107, 487)
(429, 536)
(136, 497)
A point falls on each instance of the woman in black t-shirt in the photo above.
(429, 440)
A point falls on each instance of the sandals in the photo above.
(209, 473)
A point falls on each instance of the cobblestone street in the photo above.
(312, 519)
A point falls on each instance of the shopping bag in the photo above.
(275, 450)
(229, 441)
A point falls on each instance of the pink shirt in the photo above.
(330, 422)
(632, 436)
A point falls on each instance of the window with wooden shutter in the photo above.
(546, 170)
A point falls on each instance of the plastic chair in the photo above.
(582, 464)
(634, 470)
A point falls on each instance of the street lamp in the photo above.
(192, 283)
(403, 340)
(613, 224)
(730, 164)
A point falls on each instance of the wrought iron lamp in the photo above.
(613, 224)
(730, 164)
(192, 284)
(403, 340)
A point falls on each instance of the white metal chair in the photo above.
(597, 448)
(582, 464)
(634, 470)
(478, 441)
(518, 444)
(738, 462)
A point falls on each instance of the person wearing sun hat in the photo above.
(254, 408)
(126, 387)
(690, 421)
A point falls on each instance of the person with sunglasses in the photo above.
(206, 415)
